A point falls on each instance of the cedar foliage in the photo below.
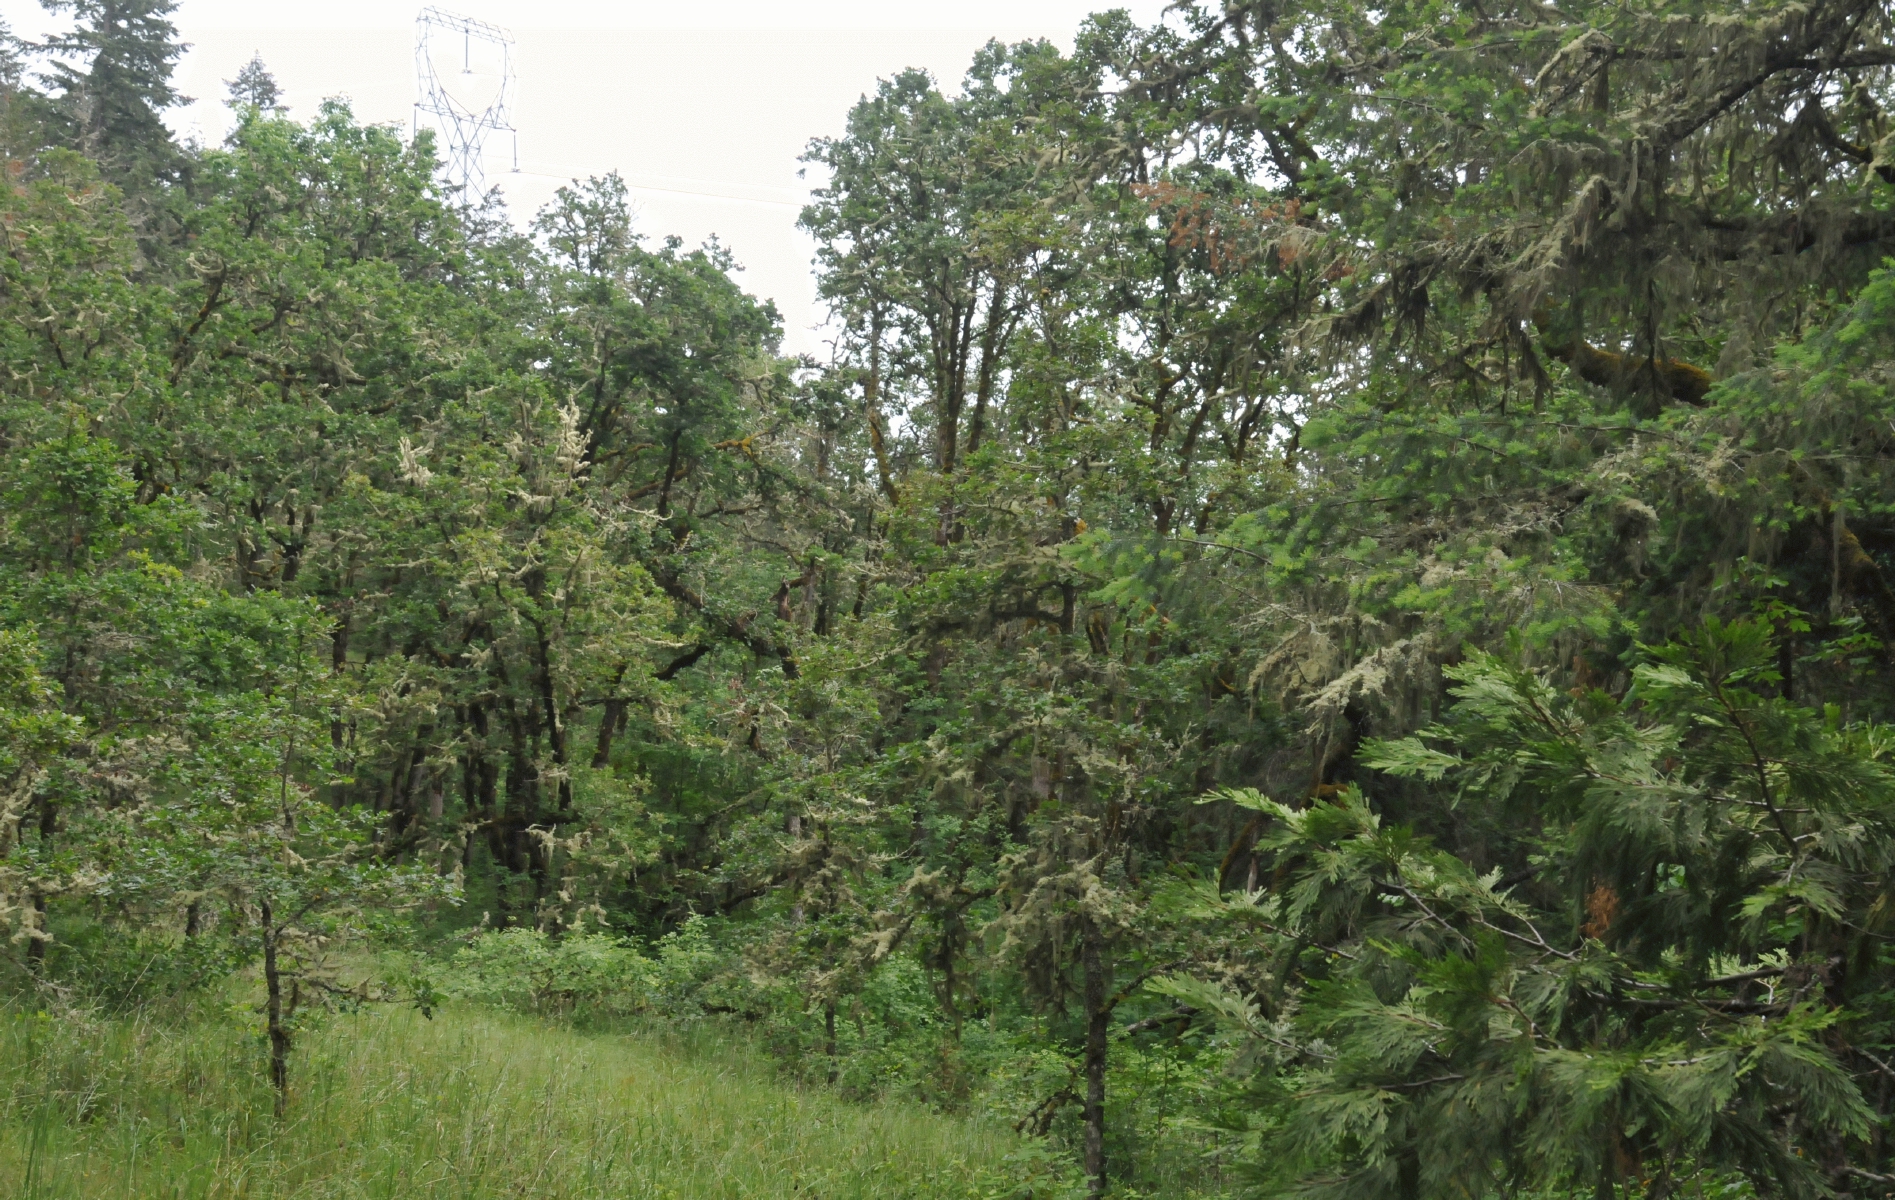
(1323, 629)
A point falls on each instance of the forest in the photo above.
(1324, 627)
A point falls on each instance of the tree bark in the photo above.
(736, 629)
(671, 467)
(991, 340)
(273, 1012)
(678, 664)
(829, 1035)
(872, 407)
(1098, 1012)
(614, 712)
(36, 945)
(555, 731)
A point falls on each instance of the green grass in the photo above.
(471, 1105)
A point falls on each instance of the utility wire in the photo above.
(632, 184)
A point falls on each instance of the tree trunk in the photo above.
(671, 468)
(829, 1035)
(338, 730)
(608, 727)
(872, 407)
(953, 342)
(273, 1012)
(1097, 1014)
(36, 945)
(792, 883)
(991, 339)
(555, 731)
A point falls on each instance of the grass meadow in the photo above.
(472, 1105)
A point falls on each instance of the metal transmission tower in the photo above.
(464, 80)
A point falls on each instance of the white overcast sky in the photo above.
(703, 108)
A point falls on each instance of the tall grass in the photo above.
(470, 1105)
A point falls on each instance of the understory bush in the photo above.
(683, 974)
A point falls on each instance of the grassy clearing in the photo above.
(470, 1105)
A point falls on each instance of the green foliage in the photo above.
(596, 975)
(1323, 628)
(1667, 989)
(523, 968)
(112, 73)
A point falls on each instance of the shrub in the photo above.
(527, 970)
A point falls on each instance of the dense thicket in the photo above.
(1325, 627)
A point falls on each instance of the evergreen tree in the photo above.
(111, 77)
(254, 87)
(12, 61)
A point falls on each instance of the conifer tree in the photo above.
(112, 81)
(254, 87)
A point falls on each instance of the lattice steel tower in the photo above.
(464, 80)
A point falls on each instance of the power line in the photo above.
(632, 184)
